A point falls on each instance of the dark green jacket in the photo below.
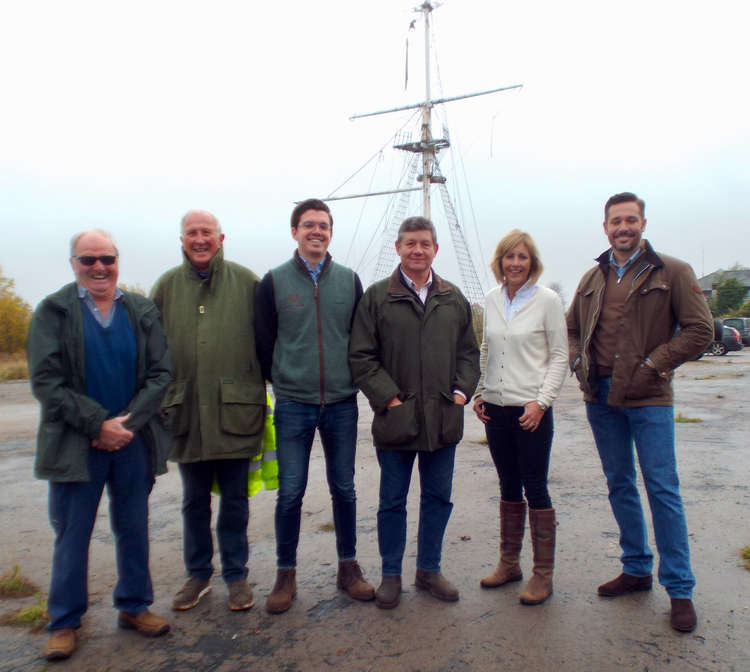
(69, 419)
(217, 402)
(302, 331)
(419, 353)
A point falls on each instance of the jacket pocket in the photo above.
(175, 409)
(243, 407)
(62, 452)
(397, 425)
(451, 421)
(645, 383)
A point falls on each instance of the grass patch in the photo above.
(34, 616)
(326, 527)
(683, 418)
(13, 367)
(706, 377)
(15, 584)
(482, 442)
(746, 557)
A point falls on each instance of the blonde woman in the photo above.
(524, 357)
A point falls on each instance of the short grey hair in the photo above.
(106, 234)
(190, 213)
(416, 224)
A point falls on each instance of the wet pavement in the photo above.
(486, 629)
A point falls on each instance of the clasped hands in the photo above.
(113, 434)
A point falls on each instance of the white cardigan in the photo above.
(527, 359)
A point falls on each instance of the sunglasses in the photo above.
(106, 259)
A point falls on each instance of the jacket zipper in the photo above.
(320, 345)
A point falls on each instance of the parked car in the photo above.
(726, 339)
(741, 324)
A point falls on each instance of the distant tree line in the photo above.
(15, 316)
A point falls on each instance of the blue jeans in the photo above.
(231, 524)
(72, 512)
(615, 430)
(436, 484)
(295, 430)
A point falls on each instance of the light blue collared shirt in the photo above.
(520, 299)
(314, 272)
(621, 269)
(104, 320)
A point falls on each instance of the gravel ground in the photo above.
(485, 630)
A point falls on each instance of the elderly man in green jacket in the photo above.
(216, 404)
(99, 366)
(414, 354)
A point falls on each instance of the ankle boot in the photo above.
(512, 519)
(542, 524)
(283, 591)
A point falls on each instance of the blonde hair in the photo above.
(506, 244)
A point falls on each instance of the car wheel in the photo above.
(718, 348)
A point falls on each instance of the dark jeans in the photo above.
(72, 512)
(231, 525)
(521, 457)
(295, 430)
(436, 484)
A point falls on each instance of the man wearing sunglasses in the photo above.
(305, 309)
(99, 367)
(216, 404)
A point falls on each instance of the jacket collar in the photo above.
(66, 299)
(301, 264)
(213, 267)
(648, 255)
(396, 287)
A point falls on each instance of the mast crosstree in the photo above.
(425, 151)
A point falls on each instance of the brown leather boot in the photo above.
(542, 524)
(283, 591)
(512, 519)
(351, 579)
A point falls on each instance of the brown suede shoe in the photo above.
(190, 594)
(683, 617)
(283, 591)
(351, 579)
(240, 595)
(388, 594)
(437, 585)
(624, 584)
(61, 644)
(145, 623)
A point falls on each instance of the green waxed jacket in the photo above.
(69, 419)
(419, 353)
(217, 402)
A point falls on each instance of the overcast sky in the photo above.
(125, 115)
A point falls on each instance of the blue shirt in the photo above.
(88, 300)
(314, 272)
(621, 269)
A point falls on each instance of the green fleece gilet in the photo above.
(310, 358)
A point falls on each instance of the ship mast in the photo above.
(428, 147)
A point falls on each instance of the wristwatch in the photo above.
(542, 405)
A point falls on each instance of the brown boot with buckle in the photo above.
(539, 588)
(61, 644)
(351, 579)
(283, 591)
(146, 623)
(437, 585)
(624, 584)
(388, 594)
(512, 520)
